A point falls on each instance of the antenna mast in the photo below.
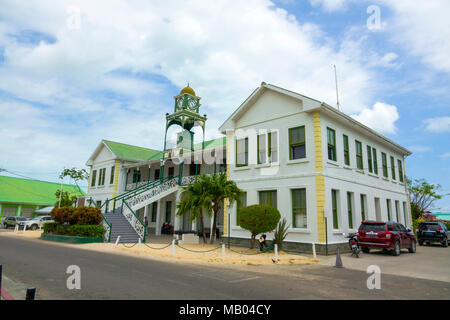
(337, 95)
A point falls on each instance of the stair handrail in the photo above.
(138, 225)
(108, 228)
(157, 183)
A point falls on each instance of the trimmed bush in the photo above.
(79, 215)
(258, 219)
(90, 231)
(50, 227)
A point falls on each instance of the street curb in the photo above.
(5, 295)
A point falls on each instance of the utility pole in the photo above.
(337, 94)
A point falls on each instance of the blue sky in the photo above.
(71, 75)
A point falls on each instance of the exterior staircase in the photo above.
(121, 227)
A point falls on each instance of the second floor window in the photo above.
(242, 152)
(331, 138)
(157, 173)
(393, 168)
(369, 159)
(375, 161)
(346, 151)
(101, 177)
(94, 176)
(400, 170)
(297, 148)
(136, 176)
(171, 171)
(111, 178)
(384, 164)
(359, 155)
(262, 148)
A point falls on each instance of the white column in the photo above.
(146, 211)
(177, 219)
(158, 218)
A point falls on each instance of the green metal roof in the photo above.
(142, 154)
(127, 151)
(220, 142)
(18, 190)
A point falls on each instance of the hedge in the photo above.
(91, 231)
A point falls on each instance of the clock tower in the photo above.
(186, 115)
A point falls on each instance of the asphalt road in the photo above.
(111, 276)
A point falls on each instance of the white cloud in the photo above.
(225, 51)
(422, 26)
(330, 5)
(439, 124)
(445, 155)
(381, 117)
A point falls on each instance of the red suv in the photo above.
(388, 235)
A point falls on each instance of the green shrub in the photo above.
(91, 231)
(50, 227)
(79, 215)
(280, 233)
(258, 219)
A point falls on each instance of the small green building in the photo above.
(22, 197)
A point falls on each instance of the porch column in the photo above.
(158, 218)
(126, 180)
(177, 221)
(146, 211)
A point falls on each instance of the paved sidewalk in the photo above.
(429, 262)
(13, 289)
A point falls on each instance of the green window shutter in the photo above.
(273, 146)
(397, 211)
(369, 159)
(363, 207)
(93, 178)
(168, 211)
(111, 179)
(154, 211)
(400, 170)
(384, 163)
(331, 139)
(350, 210)
(346, 151)
(297, 146)
(375, 161)
(359, 155)
(388, 204)
(335, 209)
(393, 168)
(299, 214)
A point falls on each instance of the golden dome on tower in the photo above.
(188, 90)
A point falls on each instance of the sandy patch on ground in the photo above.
(189, 252)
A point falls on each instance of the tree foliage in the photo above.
(194, 200)
(423, 195)
(76, 175)
(258, 219)
(281, 233)
(66, 199)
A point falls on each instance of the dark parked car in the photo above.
(388, 235)
(12, 221)
(428, 232)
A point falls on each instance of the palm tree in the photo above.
(218, 188)
(194, 199)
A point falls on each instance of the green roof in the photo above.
(18, 190)
(219, 142)
(127, 151)
(142, 154)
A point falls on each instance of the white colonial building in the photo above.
(323, 170)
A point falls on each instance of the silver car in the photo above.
(35, 223)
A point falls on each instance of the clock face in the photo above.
(192, 104)
(180, 104)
